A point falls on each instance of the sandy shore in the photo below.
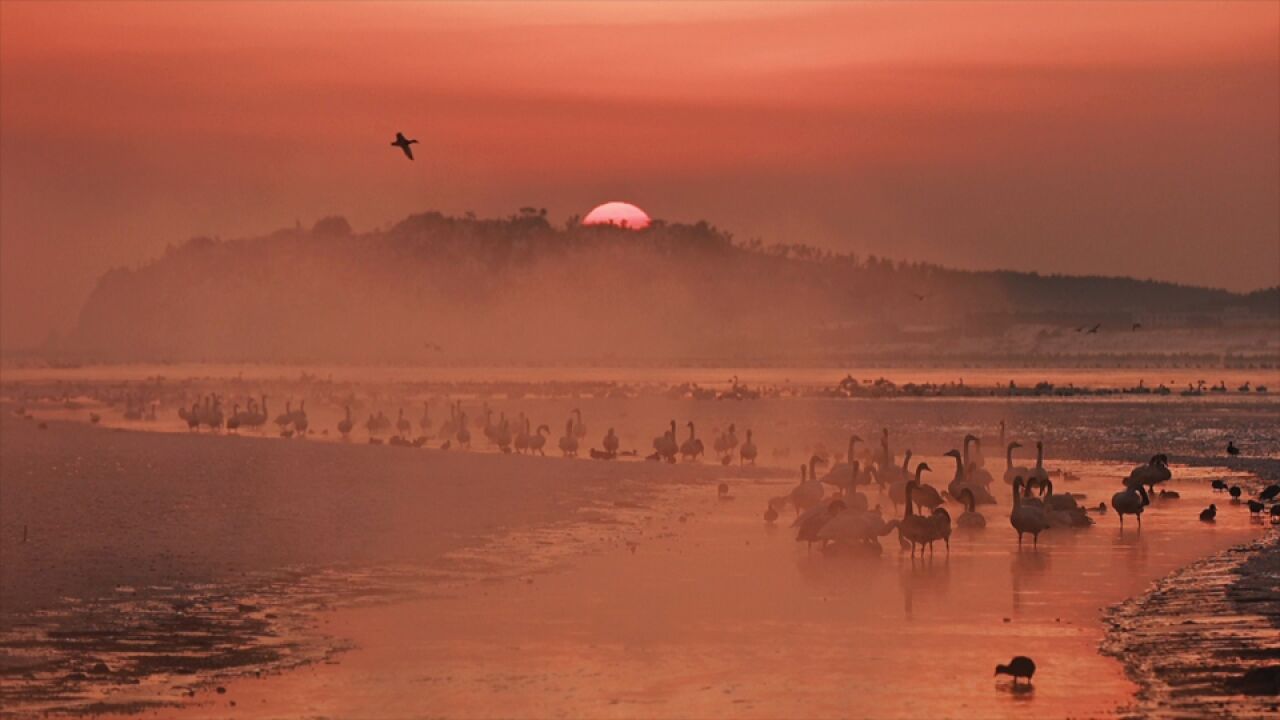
(1191, 640)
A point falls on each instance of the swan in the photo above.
(940, 520)
(300, 422)
(285, 419)
(579, 427)
(886, 456)
(569, 441)
(449, 427)
(1130, 501)
(610, 442)
(192, 417)
(974, 472)
(840, 471)
(233, 422)
(463, 435)
(960, 483)
(898, 485)
(812, 523)
(1063, 510)
(748, 452)
(1026, 518)
(1155, 471)
(970, 518)
(539, 440)
(502, 436)
(1038, 473)
(731, 438)
(977, 459)
(856, 528)
(1028, 498)
(726, 442)
(809, 492)
(926, 496)
(402, 425)
(665, 446)
(691, 448)
(1011, 472)
(344, 425)
(915, 529)
(489, 429)
(259, 417)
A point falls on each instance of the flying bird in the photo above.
(1094, 330)
(403, 143)
(1137, 326)
(918, 296)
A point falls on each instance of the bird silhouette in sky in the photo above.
(1137, 326)
(403, 143)
(1094, 330)
(918, 296)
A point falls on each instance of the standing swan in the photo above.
(1130, 501)
(1026, 518)
(1011, 472)
(569, 441)
(915, 529)
(974, 471)
(748, 452)
(344, 425)
(691, 448)
(539, 440)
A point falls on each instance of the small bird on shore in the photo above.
(1232, 449)
(1270, 492)
(1275, 513)
(1209, 514)
(1219, 485)
(1256, 507)
(403, 143)
(771, 514)
(1234, 491)
(1020, 666)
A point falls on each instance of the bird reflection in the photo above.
(1025, 571)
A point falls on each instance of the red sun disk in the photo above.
(620, 214)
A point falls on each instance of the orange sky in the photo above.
(1094, 137)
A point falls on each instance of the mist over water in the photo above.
(438, 290)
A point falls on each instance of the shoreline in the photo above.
(1226, 607)
(150, 621)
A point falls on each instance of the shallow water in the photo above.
(479, 585)
(728, 617)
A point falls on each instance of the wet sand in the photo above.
(162, 559)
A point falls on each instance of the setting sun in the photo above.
(618, 213)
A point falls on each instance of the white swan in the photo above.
(1011, 472)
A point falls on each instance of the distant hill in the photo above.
(445, 289)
